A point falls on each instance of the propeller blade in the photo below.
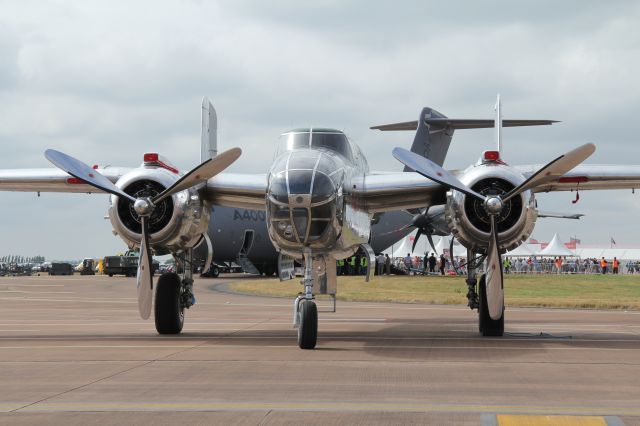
(431, 170)
(80, 170)
(554, 169)
(201, 173)
(494, 284)
(144, 278)
(430, 238)
(415, 240)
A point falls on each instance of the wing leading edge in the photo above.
(590, 177)
(52, 180)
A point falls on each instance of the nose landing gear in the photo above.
(305, 311)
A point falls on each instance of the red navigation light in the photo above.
(492, 155)
(150, 157)
(155, 160)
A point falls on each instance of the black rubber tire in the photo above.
(308, 329)
(487, 325)
(215, 272)
(168, 314)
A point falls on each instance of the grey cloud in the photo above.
(107, 81)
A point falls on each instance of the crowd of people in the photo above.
(561, 265)
(441, 265)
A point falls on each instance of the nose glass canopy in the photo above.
(302, 186)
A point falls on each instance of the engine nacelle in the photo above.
(468, 220)
(176, 223)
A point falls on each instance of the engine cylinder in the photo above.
(177, 222)
(467, 217)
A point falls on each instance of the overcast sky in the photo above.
(107, 81)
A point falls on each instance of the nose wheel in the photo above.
(308, 324)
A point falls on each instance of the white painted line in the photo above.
(24, 299)
(100, 347)
(37, 292)
(31, 285)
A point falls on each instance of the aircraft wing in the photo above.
(590, 176)
(226, 189)
(398, 191)
(241, 190)
(52, 180)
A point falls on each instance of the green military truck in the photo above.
(120, 265)
(126, 265)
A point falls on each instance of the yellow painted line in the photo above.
(520, 420)
(330, 407)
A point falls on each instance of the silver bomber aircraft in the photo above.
(320, 202)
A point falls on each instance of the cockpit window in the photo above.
(330, 139)
(296, 140)
(333, 141)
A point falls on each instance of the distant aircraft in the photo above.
(320, 199)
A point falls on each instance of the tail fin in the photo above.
(434, 130)
(209, 134)
(431, 142)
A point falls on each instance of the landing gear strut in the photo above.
(305, 311)
(472, 295)
(173, 296)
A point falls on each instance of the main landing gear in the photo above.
(173, 295)
(477, 299)
(305, 311)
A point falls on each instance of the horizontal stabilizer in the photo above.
(461, 123)
(561, 215)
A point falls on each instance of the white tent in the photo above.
(523, 250)
(403, 246)
(442, 246)
(556, 248)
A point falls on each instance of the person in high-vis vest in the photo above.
(603, 265)
(340, 267)
(616, 265)
(352, 265)
(364, 261)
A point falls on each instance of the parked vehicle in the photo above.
(59, 268)
(126, 265)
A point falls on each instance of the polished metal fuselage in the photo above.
(337, 221)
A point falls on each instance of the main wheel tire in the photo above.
(308, 328)
(487, 325)
(168, 312)
(215, 272)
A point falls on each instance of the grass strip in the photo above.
(558, 291)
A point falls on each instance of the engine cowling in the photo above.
(468, 220)
(177, 222)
